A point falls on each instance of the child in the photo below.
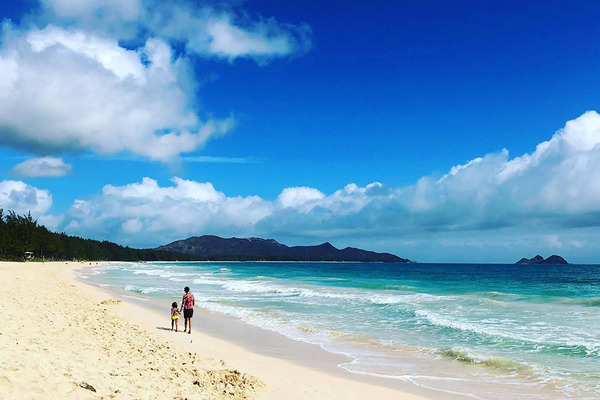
(174, 316)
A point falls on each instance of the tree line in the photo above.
(21, 233)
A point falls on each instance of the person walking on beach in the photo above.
(187, 305)
(174, 316)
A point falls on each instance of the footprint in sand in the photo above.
(5, 382)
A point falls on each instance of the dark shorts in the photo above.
(187, 313)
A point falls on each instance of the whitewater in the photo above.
(484, 331)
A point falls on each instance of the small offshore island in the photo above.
(552, 260)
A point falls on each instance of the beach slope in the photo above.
(63, 339)
(57, 342)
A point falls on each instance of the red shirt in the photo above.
(188, 301)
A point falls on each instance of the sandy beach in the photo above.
(61, 338)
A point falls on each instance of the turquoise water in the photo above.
(486, 331)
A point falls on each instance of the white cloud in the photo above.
(122, 9)
(295, 197)
(42, 167)
(23, 198)
(552, 241)
(231, 41)
(72, 86)
(577, 243)
(69, 90)
(205, 30)
(457, 168)
(530, 204)
(559, 189)
(265, 39)
(226, 34)
(185, 208)
(106, 52)
(50, 221)
(132, 226)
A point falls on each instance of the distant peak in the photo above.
(257, 249)
(326, 245)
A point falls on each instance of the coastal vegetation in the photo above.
(21, 235)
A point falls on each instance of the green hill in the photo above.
(20, 234)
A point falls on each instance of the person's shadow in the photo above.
(162, 328)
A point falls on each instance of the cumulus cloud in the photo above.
(493, 201)
(42, 167)
(52, 222)
(537, 202)
(63, 90)
(205, 30)
(300, 197)
(68, 83)
(184, 208)
(265, 39)
(132, 226)
(23, 198)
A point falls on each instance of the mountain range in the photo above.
(209, 247)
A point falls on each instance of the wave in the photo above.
(440, 321)
(168, 274)
(260, 278)
(495, 362)
(591, 302)
(355, 338)
(400, 288)
(552, 344)
(313, 278)
(588, 302)
(202, 280)
(497, 294)
(329, 278)
(262, 287)
(417, 381)
(153, 272)
(325, 338)
(370, 322)
(145, 290)
(81, 274)
(259, 287)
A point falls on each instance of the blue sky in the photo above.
(435, 130)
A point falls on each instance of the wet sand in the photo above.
(61, 338)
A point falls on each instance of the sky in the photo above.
(439, 131)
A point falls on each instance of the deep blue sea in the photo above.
(486, 331)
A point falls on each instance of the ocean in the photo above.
(479, 330)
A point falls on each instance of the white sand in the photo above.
(56, 337)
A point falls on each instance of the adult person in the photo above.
(187, 305)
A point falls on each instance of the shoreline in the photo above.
(263, 376)
(270, 343)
